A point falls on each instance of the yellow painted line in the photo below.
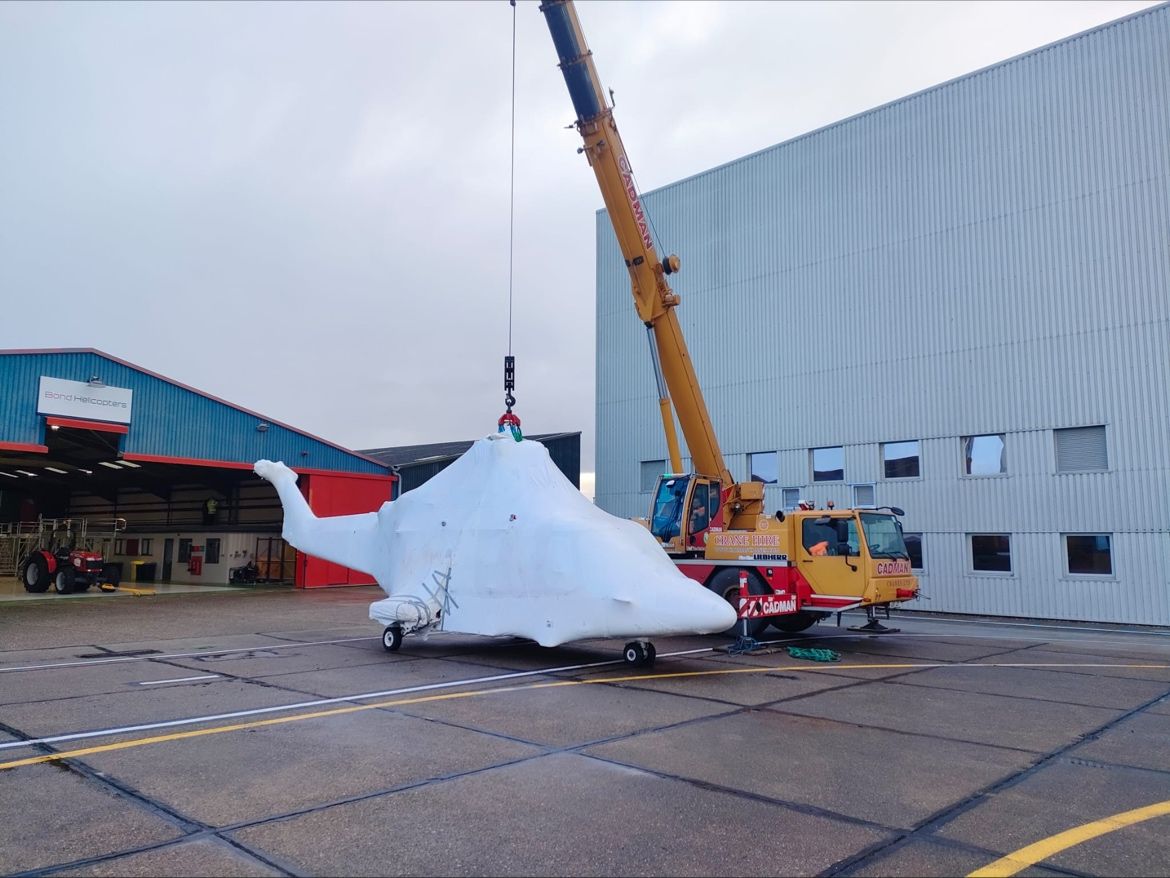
(1045, 848)
(451, 696)
(134, 591)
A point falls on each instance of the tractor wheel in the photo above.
(81, 583)
(725, 583)
(34, 573)
(63, 581)
(796, 622)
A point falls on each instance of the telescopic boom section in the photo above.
(653, 296)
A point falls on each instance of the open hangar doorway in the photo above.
(193, 522)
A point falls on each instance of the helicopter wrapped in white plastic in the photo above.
(501, 543)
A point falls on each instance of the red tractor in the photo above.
(65, 567)
(67, 570)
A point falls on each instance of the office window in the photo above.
(145, 546)
(184, 551)
(991, 553)
(212, 550)
(900, 460)
(763, 467)
(1080, 449)
(984, 455)
(651, 470)
(863, 497)
(914, 547)
(828, 464)
(119, 547)
(1089, 554)
(131, 546)
(790, 497)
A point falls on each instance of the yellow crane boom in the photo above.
(653, 297)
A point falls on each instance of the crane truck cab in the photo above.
(801, 566)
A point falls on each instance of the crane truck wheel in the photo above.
(796, 622)
(34, 573)
(725, 583)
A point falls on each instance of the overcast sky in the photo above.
(303, 208)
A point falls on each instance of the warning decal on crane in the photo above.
(755, 606)
(635, 202)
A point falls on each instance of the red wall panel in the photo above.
(338, 495)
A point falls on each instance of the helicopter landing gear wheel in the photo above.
(392, 638)
(638, 653)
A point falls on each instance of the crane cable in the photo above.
(512, 181)
(508, 419)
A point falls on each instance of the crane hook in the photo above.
(507, 419)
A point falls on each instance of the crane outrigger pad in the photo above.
(873, 626)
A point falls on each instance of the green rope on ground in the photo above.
(813, 654)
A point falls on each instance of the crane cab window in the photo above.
(701, 514)
(831, 538)
(668, 507)
(715, 495)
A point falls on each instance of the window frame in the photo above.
(642, 489)
(1057, 431)
(812, 463)
(207, 553)
(775, 455)
(921, 554)
(853, 494)
(963, 456)
(1099, 577)
(784, 493)
(975, 571)
(917, 460)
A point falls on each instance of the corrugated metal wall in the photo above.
(167, 419)
(989, 256)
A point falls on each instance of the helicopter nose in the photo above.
(691, 609)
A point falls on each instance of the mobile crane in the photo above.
(800, 567)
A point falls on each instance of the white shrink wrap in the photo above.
(501, 543)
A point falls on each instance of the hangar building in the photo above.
(956, 303)
(159, 474)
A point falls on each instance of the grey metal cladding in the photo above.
(988, 256)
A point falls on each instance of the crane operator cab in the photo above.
(666, 515)
(685, 508)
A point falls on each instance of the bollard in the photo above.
(743, 604)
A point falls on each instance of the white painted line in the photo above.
(206, 652)
(75, 736)
(180, 680)
(470, 681)
(1124, 631)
